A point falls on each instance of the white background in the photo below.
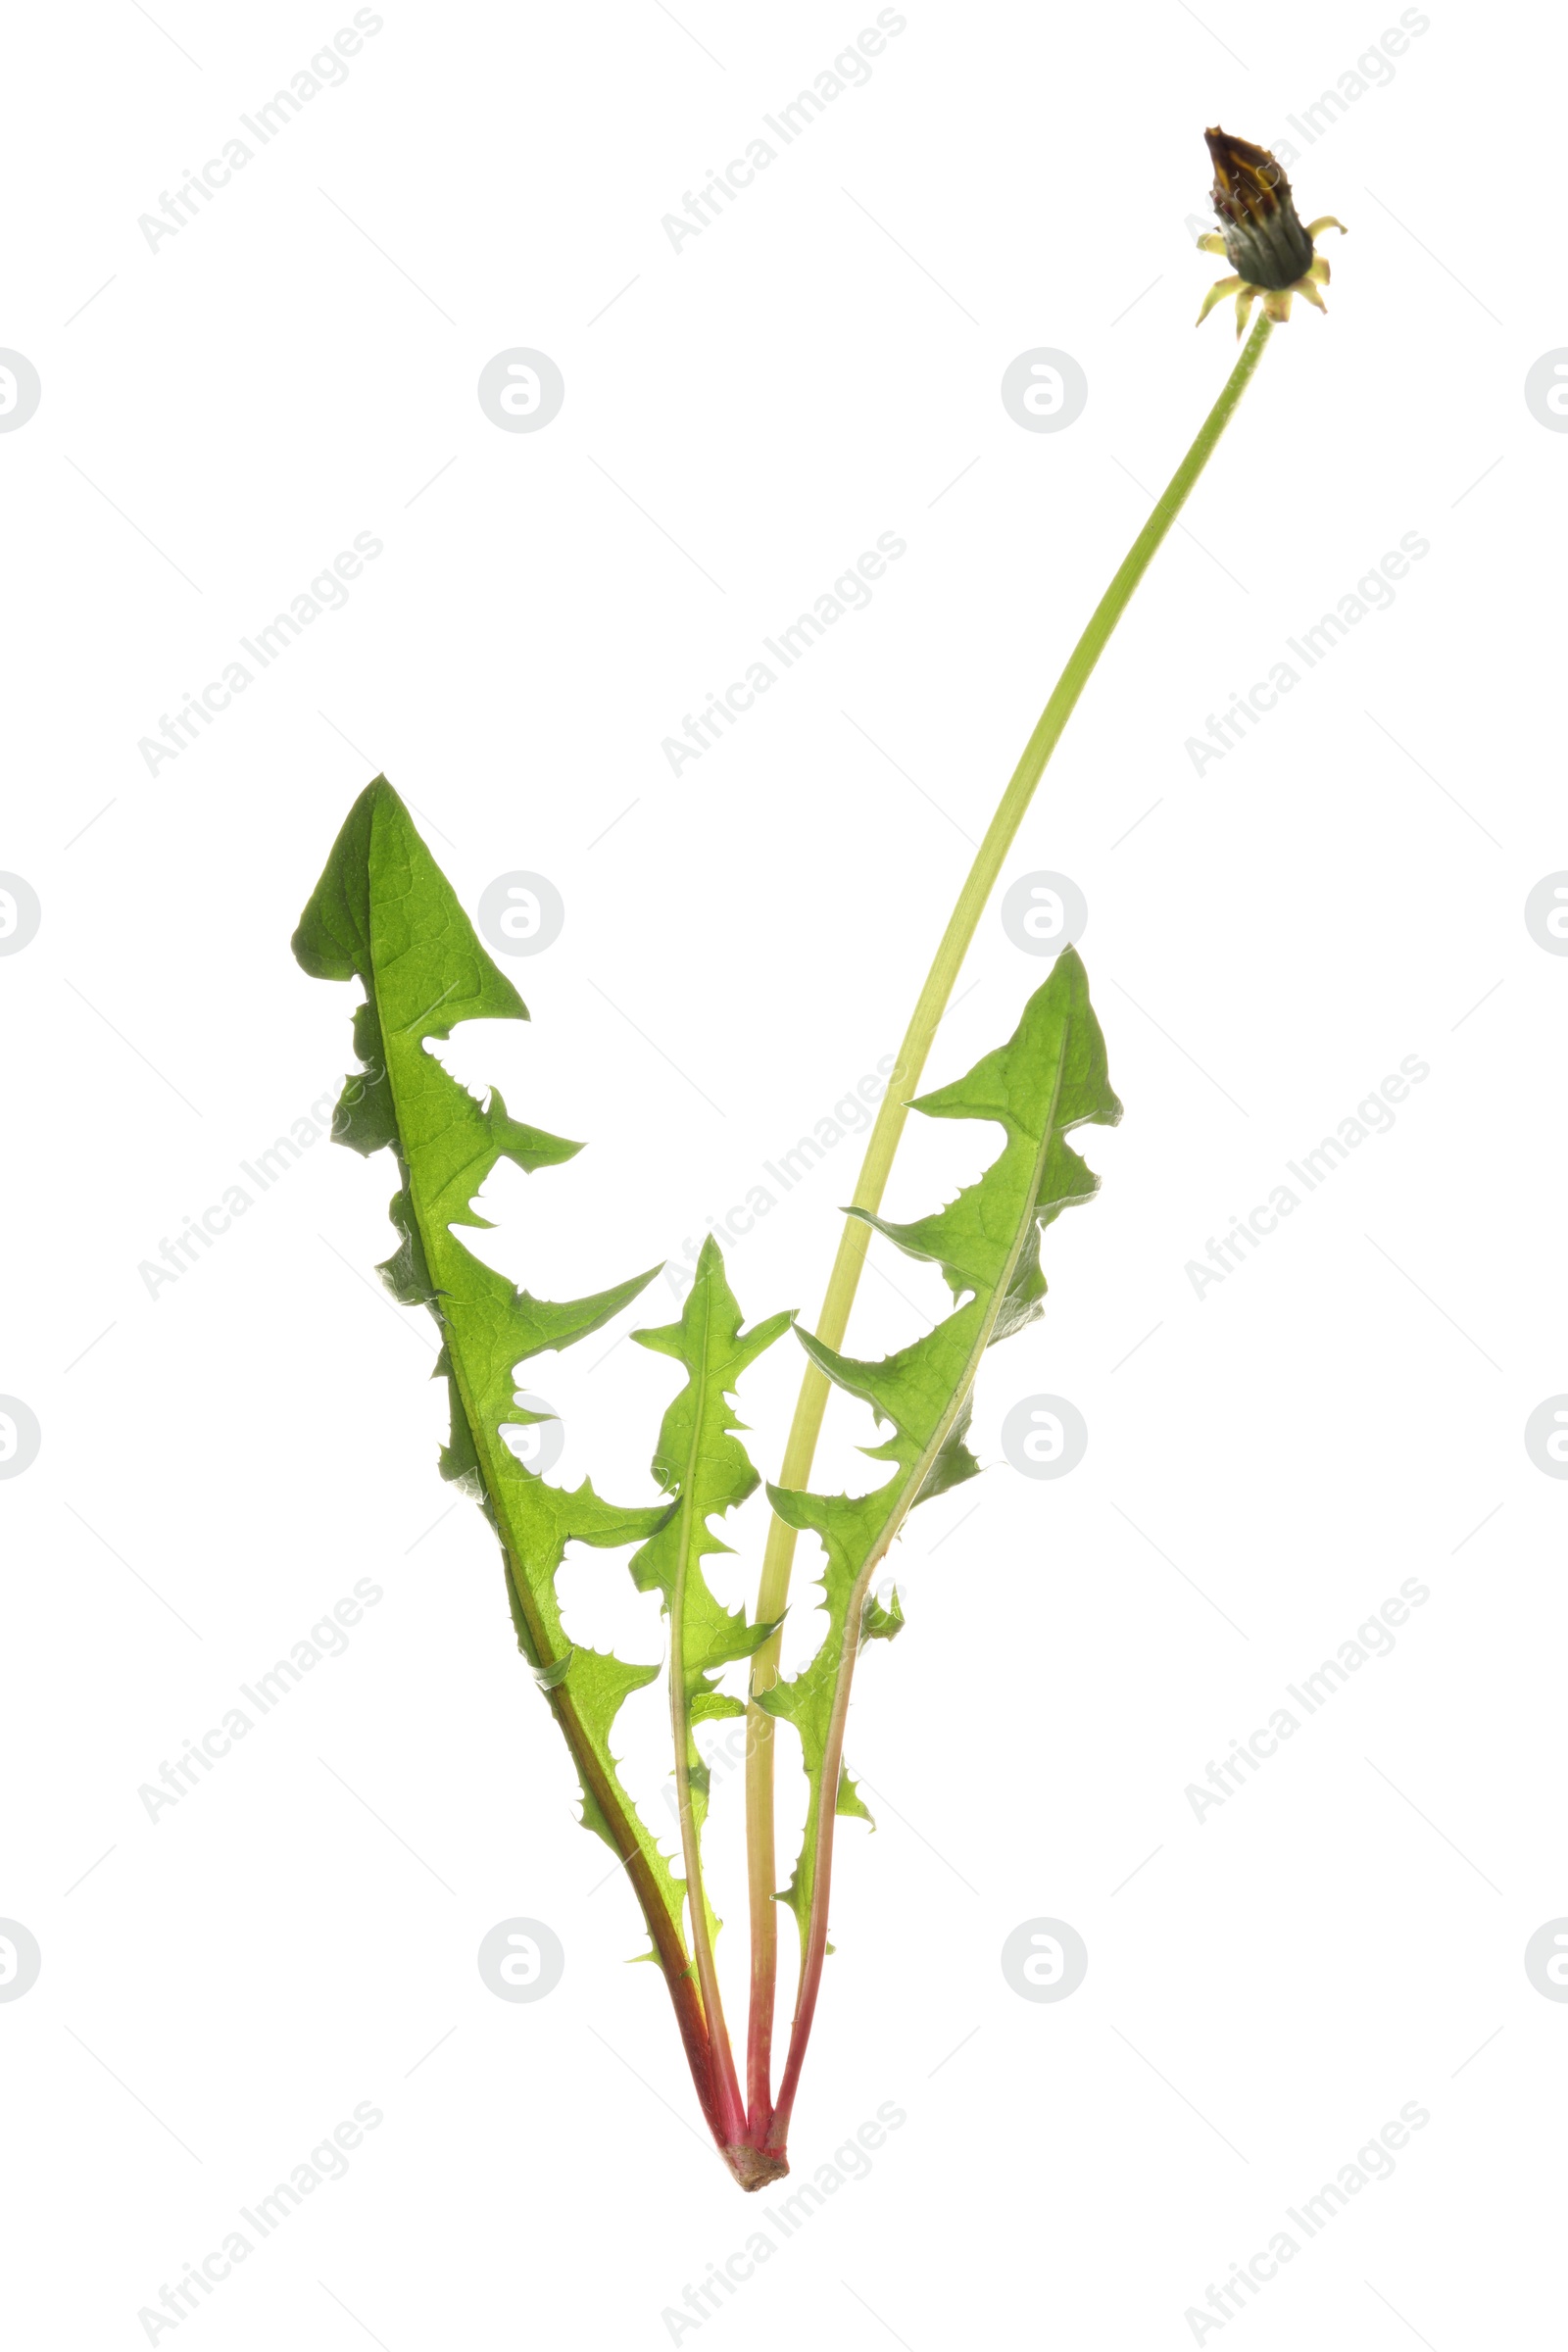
(222, 1462)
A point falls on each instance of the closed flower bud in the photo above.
(1261, 236)
(1265, 241)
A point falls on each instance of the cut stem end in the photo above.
(757, 2168)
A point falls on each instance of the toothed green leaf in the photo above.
(704, 1468)
(850, 1803)
(1048, 1079)
(879, 1624)
(384, 912)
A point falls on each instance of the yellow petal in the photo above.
(1316, 228)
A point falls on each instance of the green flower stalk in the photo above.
(1249, 180)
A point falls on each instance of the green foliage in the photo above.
(1049, 1078)
(704, 1468)
(384, 912)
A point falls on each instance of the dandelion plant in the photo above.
(384, 915)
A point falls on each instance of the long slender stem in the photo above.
(796, 1467)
